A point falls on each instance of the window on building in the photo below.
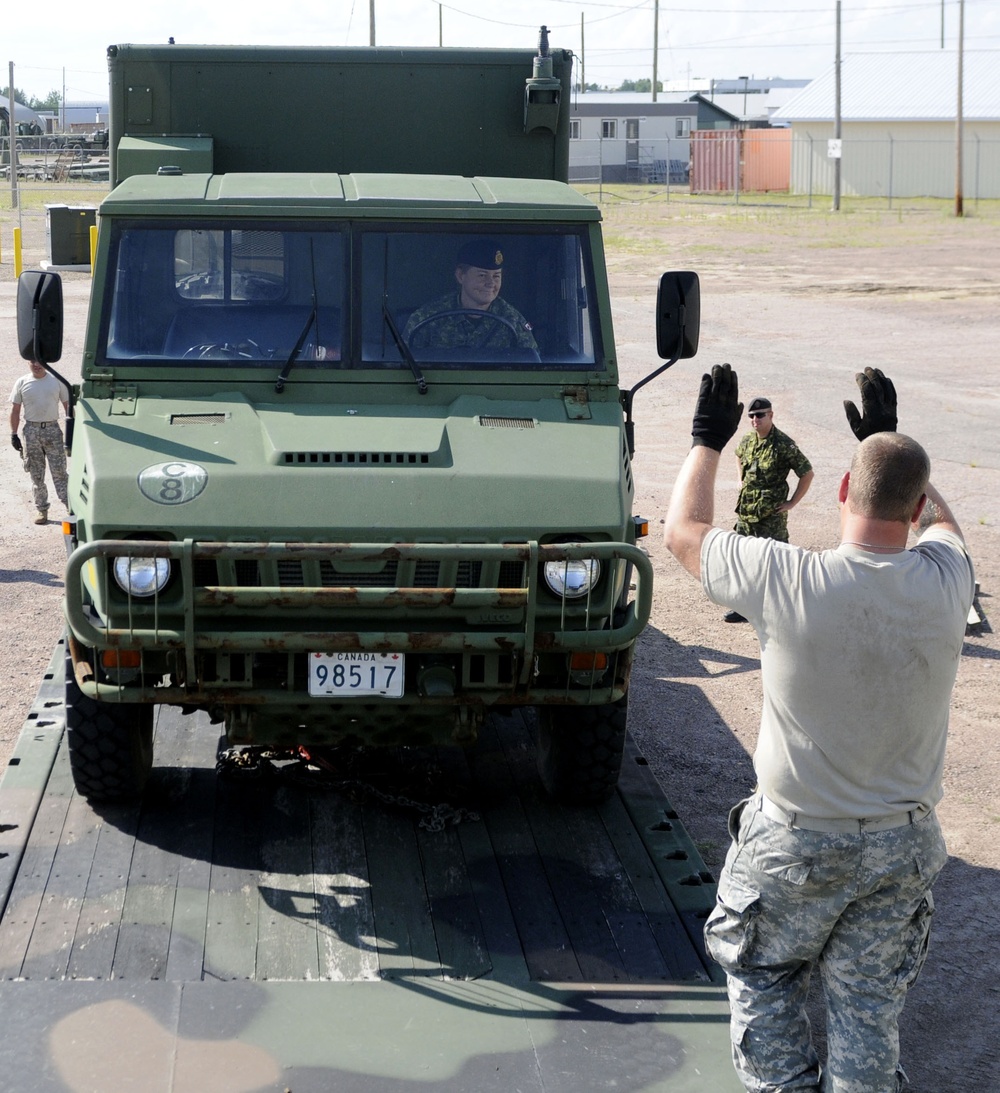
(574, 129)
(631, 128)
(683, 128)
(609, 129)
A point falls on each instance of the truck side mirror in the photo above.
(678, 315)
(39, 316)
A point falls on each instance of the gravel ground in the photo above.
(798, 302)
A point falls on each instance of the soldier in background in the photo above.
(40, 393)
(479, 275)
(766, 455)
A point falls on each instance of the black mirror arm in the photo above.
(628, 396)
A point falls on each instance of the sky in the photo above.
(65, 46)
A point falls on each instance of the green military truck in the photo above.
(298, 506)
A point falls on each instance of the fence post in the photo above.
(736, 159)
(668, 170)
(977, 170)
(892, 149)
(600, 170)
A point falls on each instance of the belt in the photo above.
(42, 424)
(840, 826)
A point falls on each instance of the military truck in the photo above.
(298, 507)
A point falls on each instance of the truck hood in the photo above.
(476, 469)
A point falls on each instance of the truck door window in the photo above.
(486, 299)
(247, 295)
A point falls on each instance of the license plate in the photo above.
(351, 675)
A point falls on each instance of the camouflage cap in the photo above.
(759, 404)
(481, 253)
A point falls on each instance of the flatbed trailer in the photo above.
(289, 929)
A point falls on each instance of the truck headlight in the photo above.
(141, 576)
(572, 578)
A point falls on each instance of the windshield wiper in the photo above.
(279, 383)
(404, 349)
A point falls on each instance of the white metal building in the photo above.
(898, 126)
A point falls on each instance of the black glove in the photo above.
(878, 403)
(717, 415)
(15, 442)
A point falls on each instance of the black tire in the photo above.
(580, 751)
(110, 744)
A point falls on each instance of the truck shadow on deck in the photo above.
(298, 874)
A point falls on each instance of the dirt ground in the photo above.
(797, 301)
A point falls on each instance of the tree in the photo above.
(641, 86)
(51, 101)
(19, 95)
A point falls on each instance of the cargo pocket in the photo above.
(919, 931)
(731, 929)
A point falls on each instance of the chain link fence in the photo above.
(779, 165)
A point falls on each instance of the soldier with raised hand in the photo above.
(835, 852)
(766, 457)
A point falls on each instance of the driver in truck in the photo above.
(450, 321)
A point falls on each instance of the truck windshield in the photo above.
(266, 293)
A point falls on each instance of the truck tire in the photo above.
(110, 744)
(580, 751)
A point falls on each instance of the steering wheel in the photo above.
(223, 351)
(471, 312)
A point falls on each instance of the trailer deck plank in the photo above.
(294, 930)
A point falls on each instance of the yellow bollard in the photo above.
(93, 247)
(17, 253)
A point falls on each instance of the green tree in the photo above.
(19, 95)
(641, 86)
(50, 102)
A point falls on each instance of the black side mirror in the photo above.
(39, 316)
(678, 315)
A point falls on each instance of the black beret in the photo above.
(481, 253)
(759, 404)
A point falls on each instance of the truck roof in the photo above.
(364, 195)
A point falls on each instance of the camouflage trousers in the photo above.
(857, 907)
(774, 526)
(44, 443)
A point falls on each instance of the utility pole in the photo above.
(12, 137)
(959, 210)
(836, 119)
(371, 22)
(440, 25)
(583, 54)
(656, 42)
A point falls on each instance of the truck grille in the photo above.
(295, 573)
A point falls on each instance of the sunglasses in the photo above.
(758, 413)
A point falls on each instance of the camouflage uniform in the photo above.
(44, 441)
(456, 331)
(856, 905)
(765, 463)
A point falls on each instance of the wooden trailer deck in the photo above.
(300, 929)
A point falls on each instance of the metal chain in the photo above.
(259, 762)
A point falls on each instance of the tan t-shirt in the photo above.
(39, 398)
(859, 653)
